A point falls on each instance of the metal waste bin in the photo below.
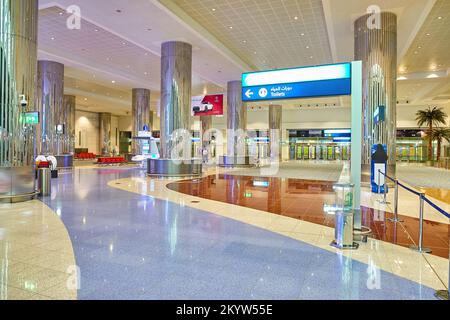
(343, 212)
(44, 181)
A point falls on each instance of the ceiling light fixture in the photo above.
(230, 27)
(302, 34)
(295, 18)
(427, 34)
(439, 18)
(213, 9)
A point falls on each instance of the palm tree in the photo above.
(439, 135)
(430, 117)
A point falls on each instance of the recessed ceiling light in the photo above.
(123, 43)
(295, 18)
(244, 41)
(427, 34)
(440, 18)
(96, 30)
(85, 99)
(311, 57)
(302, 34)
(213, 9)
(230, 27)
(53, 38)
(307, 47)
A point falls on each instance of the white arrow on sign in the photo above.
(249, 93)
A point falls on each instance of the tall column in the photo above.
(275, 135)
(18, 63)
(50, 95)
(105, 133)
(206, 125)
(68, 119)
(236, 121)
(140, 114)
(176, 78)
(377, 49)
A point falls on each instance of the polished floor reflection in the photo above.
(304, 200)
(131, 246)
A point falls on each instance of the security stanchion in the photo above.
(420, 247)
(396, 218)
(384, 201)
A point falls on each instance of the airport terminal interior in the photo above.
(224, 150)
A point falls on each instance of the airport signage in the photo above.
(31, 117)
(207, 105)
(317, 81)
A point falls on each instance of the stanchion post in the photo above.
(379, 184)
(395, 219)
(420, 247)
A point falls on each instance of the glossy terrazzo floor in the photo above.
(130, 246)
(304, 200)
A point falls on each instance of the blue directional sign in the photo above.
(327, 80)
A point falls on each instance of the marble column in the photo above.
(275, 134)
(105, 133)
(377, 49)
(18, 63)
(236, 121)
(68, 119)
(176, 78)
(50, 95)
(140, 115)
(206, 125)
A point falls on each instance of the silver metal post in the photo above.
(396, 218)
(420, 247)
(379, 185)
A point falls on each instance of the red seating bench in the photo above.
(111, 160)
(85, 155)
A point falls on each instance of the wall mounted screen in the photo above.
(325, 80)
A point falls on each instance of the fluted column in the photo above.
(18, 63)
(140, 114)
(176, 78)
(275, 119)
(236, 120)
(206, 125)
(68, 119)
(105, 133)
(377, 49)
(50, 97)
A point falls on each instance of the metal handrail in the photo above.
(441, 294)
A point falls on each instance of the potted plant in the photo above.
(439, 135)
(432, 116)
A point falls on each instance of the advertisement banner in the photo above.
(209, 105)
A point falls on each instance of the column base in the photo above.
(169, 168)
(233, 161)
(64, 161)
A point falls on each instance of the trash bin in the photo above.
(343, 211)
(44, 181)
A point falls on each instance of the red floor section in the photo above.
(304, 200)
